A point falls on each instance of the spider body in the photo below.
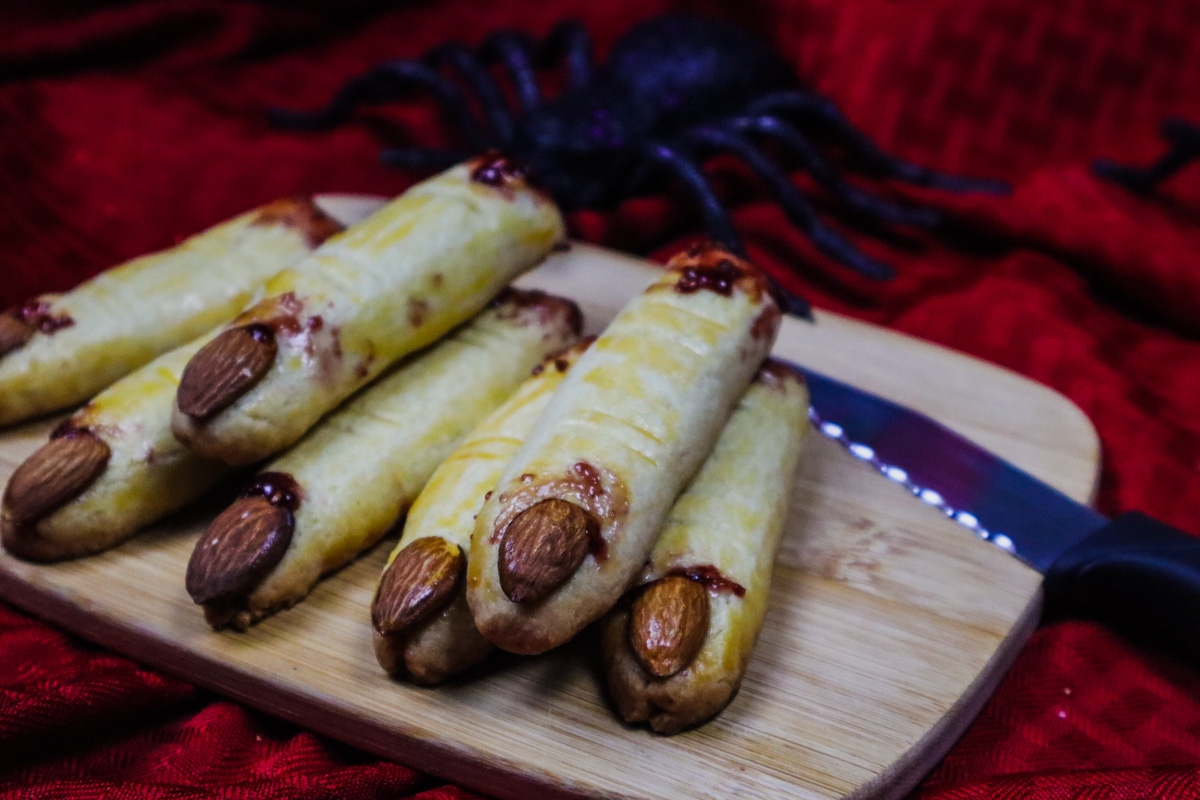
(659, 80)
(674, 90)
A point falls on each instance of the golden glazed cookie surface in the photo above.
(432, 649)
(386, 287)
(723, 533)
(358, 471)
(630, 425)
(148, 474)
(70, 346)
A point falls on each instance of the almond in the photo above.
(225, 369)
(239, 548)
(542, 548)
(668, 624)
(58, 472)
(418, 583)
(14, 333)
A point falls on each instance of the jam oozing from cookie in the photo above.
(712, 578)
(505, 173)
(582, 485)
(590, 481)
(497, 169)
(280, 489)
(275, 315)
(82, 423)
(707, 267)
(282, 318)
(37, 315)
(67, 428)
(718, 278)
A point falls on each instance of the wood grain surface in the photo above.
(889, 625)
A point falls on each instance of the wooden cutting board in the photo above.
(889, 625)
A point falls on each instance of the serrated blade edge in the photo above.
(987, 495)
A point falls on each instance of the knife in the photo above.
(1133, 572)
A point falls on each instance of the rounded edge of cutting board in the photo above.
(906, 773)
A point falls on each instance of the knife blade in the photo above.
(1133, 571)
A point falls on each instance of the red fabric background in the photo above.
(125, 126)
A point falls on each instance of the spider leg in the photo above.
(716, 218)
(824, 110)
(790, 198)
(380, 84)
(464, 62)
(571, 39)
(827, 177)
(1184, 141)
(515, 51)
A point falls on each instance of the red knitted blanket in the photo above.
(125, 126)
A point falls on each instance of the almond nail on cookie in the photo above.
(58, 350)
(577, 510)
(353, 476)
(677, 647)
(424, 629)
(112, 468)
(388, 286)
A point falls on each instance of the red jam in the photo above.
(712, 578)
(36, 314)
(719, 278)
(280, 489)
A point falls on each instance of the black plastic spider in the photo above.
(1183, 141)
(674, 90)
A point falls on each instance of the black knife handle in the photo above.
(1138, 574)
